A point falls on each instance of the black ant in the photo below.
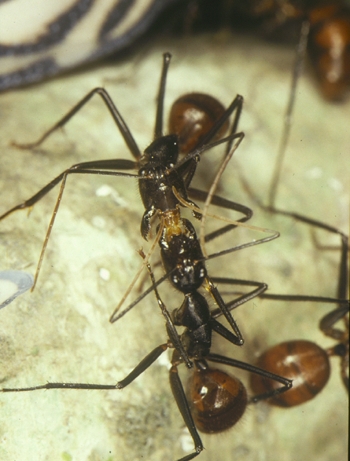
(160, 173)
(217, 400)
(163, 181)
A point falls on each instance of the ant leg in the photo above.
(291, 214)
(137, 371)
(223, 203)
(343, 279)
(122, 126)
(231, 305)
(94, 167)
(224, 163)
(286, 383)
(327, 322)
(236, 105)
(342, 348)
(118, 315)
(299, 217)
(224, 308)
(301, 298)
(342, 290)
(182, 404)
(297, 71)
(273, 234)
(187, 167)
(330, 319)
(171, 330)
(158, 129)
(97, 167)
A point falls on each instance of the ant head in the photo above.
(163, 150)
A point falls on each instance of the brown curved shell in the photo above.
(217, 400)
(302, 361)
(191, 118)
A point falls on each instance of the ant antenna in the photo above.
(158, 129)
(213, 188)
(297, 71)
(115, 316)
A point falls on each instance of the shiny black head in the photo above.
(163, 150)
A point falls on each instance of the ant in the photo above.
(304, 361)
(180, 248)
(300, 269)
(158, 169)
(305, 269)
(215, 400)
(160, 174)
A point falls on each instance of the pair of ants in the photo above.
(215, 400)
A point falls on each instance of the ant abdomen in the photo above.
(217, 399)
(329, 49)
(302, 361)
(192, 116)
